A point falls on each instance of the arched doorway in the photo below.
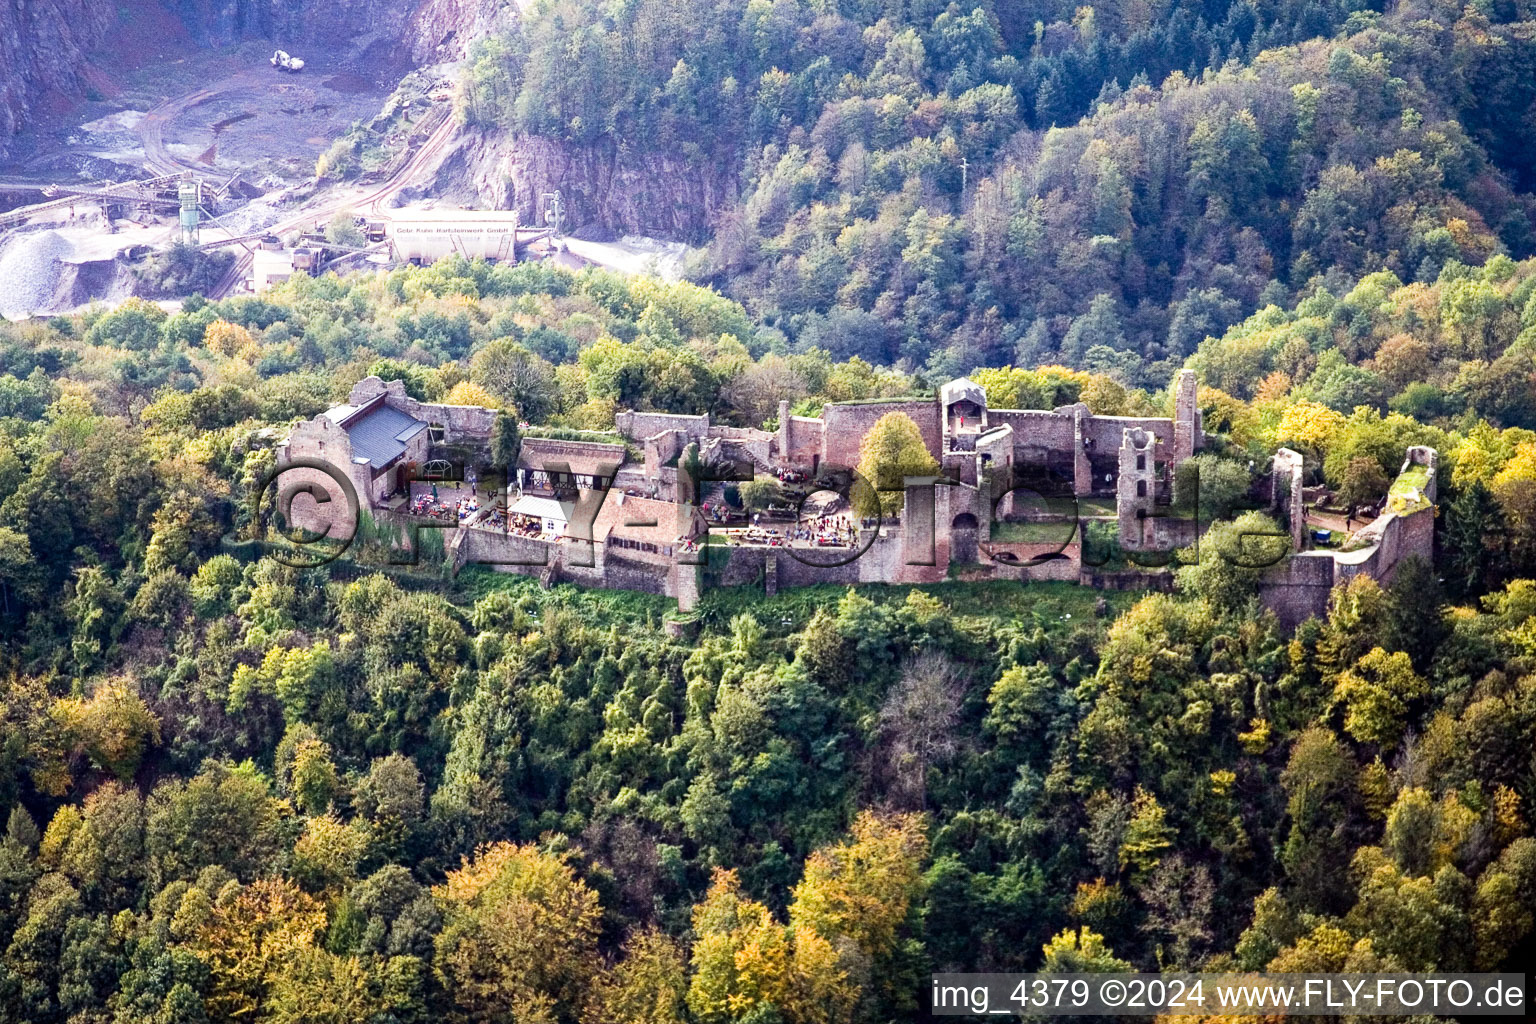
(962, 539)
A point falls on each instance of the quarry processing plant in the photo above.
(137, 217)
(405, 236)
(428, 235)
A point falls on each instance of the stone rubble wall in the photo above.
(1299, 587)
(845, 425)
(461, 423)
(637, 426)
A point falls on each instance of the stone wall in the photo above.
(746, 434)
(685, 586)
(1135, 580)
(640, 425)
(417, 451)
(1299, 587)
(634, 479)
(506, 551)
(1169, 533)
(887, 559)
(757, 446)
(1136, 488)
(1423, 455)
(461, 424)
(323, 440)
(1106, 432)
(738, 566)
(1188, 424)
(1035, 430)
(544, 452)
(791, 572)
(562, 562)
(621, 573)
(845, 425)
(1286, 493)
(959, 466)
(920, 529)
(661, 448)
(882, 561)
(801, 440)
(1066, 567)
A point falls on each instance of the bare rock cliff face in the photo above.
(220, 22)
(607, 192)
(43, 44)
(429, 30)
(46, 45)
(442, 30)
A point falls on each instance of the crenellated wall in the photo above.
(1035, 428)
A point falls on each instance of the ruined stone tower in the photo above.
(1136, 488)
(1188, 429)
(1285, 494)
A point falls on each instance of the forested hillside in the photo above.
(239, 791)
(906, 197)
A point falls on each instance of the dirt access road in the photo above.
(257, 120)
(157, 159)
(369, 200)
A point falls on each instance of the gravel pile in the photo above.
(30, 271)
(253, 216)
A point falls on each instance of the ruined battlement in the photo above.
(1299, 587)
(588, 512)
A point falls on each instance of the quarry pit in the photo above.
(225, 115)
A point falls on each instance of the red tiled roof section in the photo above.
(670, 521)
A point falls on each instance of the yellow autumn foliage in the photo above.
(744, 958)
(467, 392)
(227, 339)
(862, 889)
(519, 929)
(1310, 424)
(254, 935)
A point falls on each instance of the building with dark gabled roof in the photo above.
(380, 435)
(378, 446)
(382, 438)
